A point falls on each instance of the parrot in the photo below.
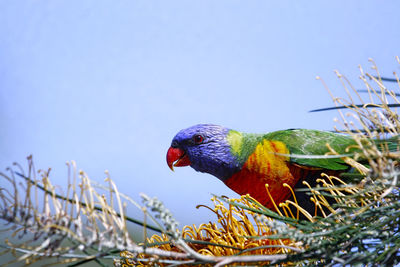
(246, 162)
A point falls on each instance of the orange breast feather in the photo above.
(265, 166)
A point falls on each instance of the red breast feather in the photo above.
(266, 166)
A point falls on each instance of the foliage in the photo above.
(88, 222)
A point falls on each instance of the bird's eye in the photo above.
(174, 144)
(198, 139)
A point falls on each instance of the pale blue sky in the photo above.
(109, 83)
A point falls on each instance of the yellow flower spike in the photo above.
(300, 209)
(324, 202)
(312, 198)
(272, 200)
(233, 226)
(347, 189)
(294, 198)
(316, 198)
(230, 219)
(283, 206)
(358, 166)
(290, 211)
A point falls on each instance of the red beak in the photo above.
(176, 157)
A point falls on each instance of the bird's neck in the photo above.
(230, 157)
(221, 167)
(243, 145)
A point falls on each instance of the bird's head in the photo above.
(205, 148)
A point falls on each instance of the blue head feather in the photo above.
(213, 155)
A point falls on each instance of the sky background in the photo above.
(109, 83)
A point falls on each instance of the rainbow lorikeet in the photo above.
(246, 162)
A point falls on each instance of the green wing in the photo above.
(311, 143)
